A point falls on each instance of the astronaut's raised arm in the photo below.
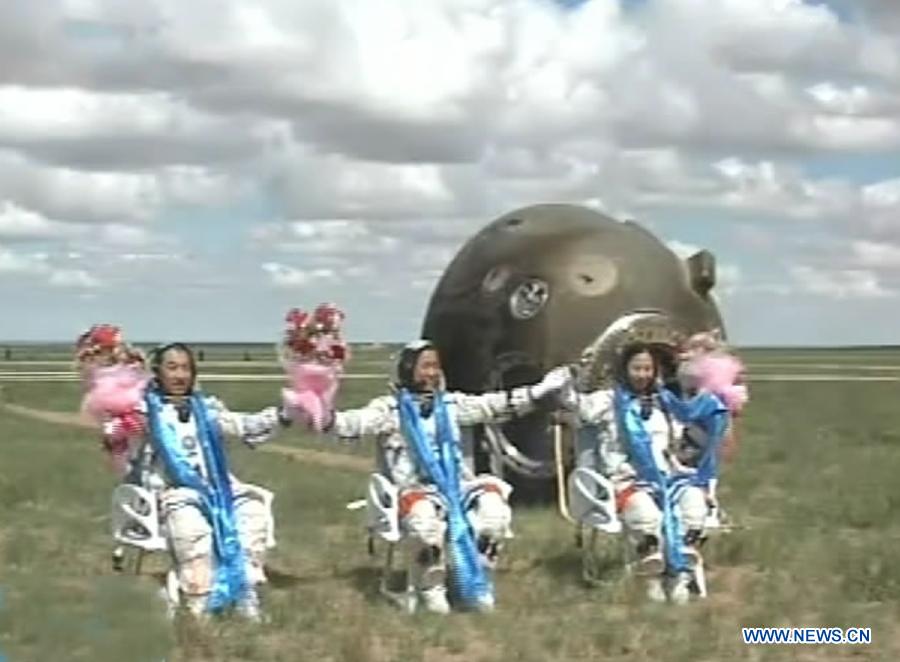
(500, 406)
(378, 416)
(493, 407)
(251, 428)
(594, 407)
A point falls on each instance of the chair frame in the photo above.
(137, 524)
(382, 524)
(588, 533)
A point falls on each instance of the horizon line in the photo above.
(38, 343)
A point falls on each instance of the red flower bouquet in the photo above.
(114, 378)
(313, 354)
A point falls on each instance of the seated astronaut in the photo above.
(653, 447)
(216, 525)
(441, 503)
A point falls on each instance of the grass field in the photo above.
(815, 485)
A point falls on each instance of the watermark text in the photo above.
(807, 635)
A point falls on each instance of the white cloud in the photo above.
(847, 133)
(39, 116)
(28, 266)
(117, 235)
(282, 275)
(771, 34)
(882, 14)
(351, 140)
(23, 225)
(148, 257)
(315, 187)
(855, 100)
(883, 195)
(73, 278)
(839, 284)
(19, 223)
(78, 195)
(729, 277)
(875, 255)
(372, 79)
(767, 187)
(326, 237)
(69, 194)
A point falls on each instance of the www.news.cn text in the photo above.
(807, 635)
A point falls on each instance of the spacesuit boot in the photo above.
(683, 584)
(651, 565)
(679, 587)
(427, 574)
(650, 558)
(249, 607)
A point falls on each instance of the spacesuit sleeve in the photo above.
(716, 418)
(595, 407)
(251, 428)
(377, 417)
(493, 407)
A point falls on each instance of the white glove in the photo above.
(568, 397)
(677, 467)
(554, 381)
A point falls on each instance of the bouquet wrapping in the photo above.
(114, 377)
(313, 354)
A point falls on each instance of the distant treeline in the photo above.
(225, 351)
(50, 351)
(238, 347)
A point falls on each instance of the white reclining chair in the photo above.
(592, 508)
(137, 524)
(586, 497)
(382, 522)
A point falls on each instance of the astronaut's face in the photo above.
(428, 374)
(175, 373)
(641, 371)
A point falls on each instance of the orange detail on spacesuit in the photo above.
(409, 499)
(623, 497)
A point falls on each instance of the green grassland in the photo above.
(815, 486)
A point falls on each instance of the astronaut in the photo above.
(661, 475)
(452, 521)
(217, 527)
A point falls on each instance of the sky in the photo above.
(191, 170)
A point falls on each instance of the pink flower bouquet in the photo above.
(114, 378)
(313, 354)
(707, 364)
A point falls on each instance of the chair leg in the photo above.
(591, 570)
(138, 561)
(700, 578)
(118, 559)
(588, 556)
(405, 599)
(172, 594)
(629, 554)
